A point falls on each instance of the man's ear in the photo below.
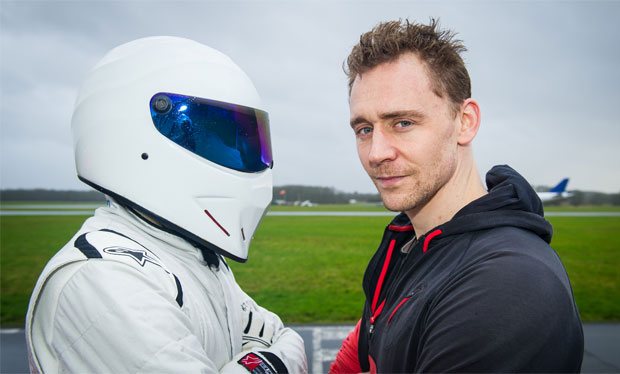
(470, 121)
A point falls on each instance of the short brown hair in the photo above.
(438, 49)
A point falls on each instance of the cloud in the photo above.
(545, 74)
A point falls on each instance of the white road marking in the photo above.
(320, 336)
(11, 331)
(336, 333)
(317, 356)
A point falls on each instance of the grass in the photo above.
(590, 251)
(26, 244)
(324, 271)
(582, 208)
(309, 269)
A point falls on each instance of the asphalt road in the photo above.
(602, 347)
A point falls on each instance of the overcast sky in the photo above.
(546, 74)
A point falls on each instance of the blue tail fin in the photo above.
(561, 187)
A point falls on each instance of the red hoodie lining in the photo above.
(428, 239)
(386, 264)
(377, 312)
(400, 228)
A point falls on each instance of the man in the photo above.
(172, 132)
(464, 278)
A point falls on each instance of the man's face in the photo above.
(406, 134)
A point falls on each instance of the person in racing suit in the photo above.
(143, 286)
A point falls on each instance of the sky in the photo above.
(546, 75)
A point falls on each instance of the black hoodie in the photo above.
(483, 292)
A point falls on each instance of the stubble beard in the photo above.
(419, 188)
(411, 197)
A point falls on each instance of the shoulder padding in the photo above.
(111, 245)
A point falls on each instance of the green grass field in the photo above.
(309, 269)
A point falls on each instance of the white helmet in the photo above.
(173, 129)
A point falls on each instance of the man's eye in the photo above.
(363, 131)
(404, 123)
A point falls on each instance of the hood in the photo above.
(510, 201)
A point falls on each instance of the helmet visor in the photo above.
(233, 136)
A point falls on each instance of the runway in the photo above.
(602, 347)
(90, 212)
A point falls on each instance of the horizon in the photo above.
(544, 73)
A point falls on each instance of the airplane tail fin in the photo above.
(561, 187)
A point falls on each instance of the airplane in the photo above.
(556, 193)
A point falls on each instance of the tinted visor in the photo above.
(234, 136)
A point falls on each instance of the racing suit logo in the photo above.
(256, 365)
(141, 256)
(251, 361)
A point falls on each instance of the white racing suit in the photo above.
(125, 297)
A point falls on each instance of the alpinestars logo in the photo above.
(256, 365)
(251, 361)
(141, 256)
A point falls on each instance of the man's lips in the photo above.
(388, 181)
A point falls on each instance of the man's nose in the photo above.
(382, 148)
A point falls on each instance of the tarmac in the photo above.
(601, 354)
(85, 210)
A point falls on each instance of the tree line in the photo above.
(287, 194)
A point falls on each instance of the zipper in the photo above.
(404, 300)
(395, 277)
(374, 316)
(225, 285)
(376, 311)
